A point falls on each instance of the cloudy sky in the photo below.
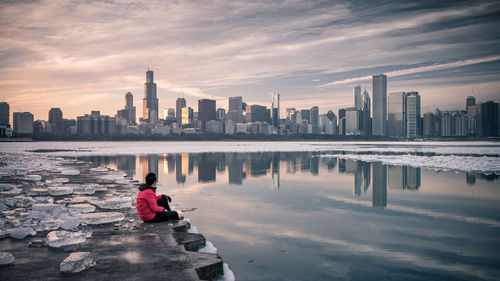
(85, 55)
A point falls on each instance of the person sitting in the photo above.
(152, 207)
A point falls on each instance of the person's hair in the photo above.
(150, 178)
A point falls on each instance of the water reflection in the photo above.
(304, 216)
(237, 166)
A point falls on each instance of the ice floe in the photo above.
(82, 208)
(70, 173)
(76, 262)
(22, 232)
(114, 203)
(60, 190)
(6, 258)
(61, 238)
(102, 217)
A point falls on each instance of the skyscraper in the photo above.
(4, 114)
(180, 103)
(56, 121)
(489, 116)
(396, 123)
(353, 121)
(275, 114)
(357, 98)
(379, 122)
(367, 121)
(314, 119)
(471, 101)
(130, 108)
(128, 113)
(22, 123)
(235, 112)
(150, 101)
(206, 110)
(412, 115)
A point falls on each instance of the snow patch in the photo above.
(209, 248)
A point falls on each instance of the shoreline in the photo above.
(54, 209)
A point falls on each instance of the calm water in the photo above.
(300, 216)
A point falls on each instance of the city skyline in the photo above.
(83, 56)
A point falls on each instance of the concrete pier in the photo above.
(124, 249)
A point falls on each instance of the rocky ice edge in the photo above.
(209, 248)
(228, 274)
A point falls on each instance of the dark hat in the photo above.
(150, 178)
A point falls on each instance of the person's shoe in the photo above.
(181, 218)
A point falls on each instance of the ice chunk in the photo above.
(48, 225)
(114, 203)
(228, 274)
(60, 190)
(76, 262)
(193, 229)
(102, 217)
(32, 177)
(63, 238)
(82, 208)
(22, 232)
(46, 207)
(209, 248)
(43, 199)
(69, 222)
(70, 173)
(38, 191)
(60, 180)
(99, 169)
(12, 192)
(113, 176)
(4, 233)
(6, 258)
(84, 189)
(6, 187)
(101, 188)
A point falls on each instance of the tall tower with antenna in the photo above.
(150, 101)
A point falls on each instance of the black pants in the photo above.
(167, 214)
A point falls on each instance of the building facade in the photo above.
(379, 121)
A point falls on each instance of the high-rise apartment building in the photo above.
(257, 113)
(4, 114)
(22, 123)
(180, 103)
(365, 108)
(56, 121)
(275, 113)
(150, 101)
(235, 112)
(306, 115)
(206, 110)
(358, 103)
(489, 112)
(314, 119)
(429, 122)
(412, 115)
(379, 121)
(396, 121)
(353, 121)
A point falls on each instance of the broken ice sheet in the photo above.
(22, 232)
(6, 258)
(77, 262)
(70, 172)
(63, 238)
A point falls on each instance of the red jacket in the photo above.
(146, 203)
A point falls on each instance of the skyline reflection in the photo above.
(237, 167)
